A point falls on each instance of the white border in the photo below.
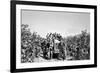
(20, 65)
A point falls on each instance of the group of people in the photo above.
(52, 48)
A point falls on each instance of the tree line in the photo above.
(54, 46)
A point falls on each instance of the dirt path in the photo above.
(40, 59)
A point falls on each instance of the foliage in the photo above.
(34, 46)
(79, 46)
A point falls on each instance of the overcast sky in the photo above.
(65, 23)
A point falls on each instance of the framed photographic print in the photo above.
(52, 36)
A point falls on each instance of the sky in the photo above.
(65, 23)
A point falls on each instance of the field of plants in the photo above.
(54, 47)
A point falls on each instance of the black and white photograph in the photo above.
(48, 36)
(52, 36)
